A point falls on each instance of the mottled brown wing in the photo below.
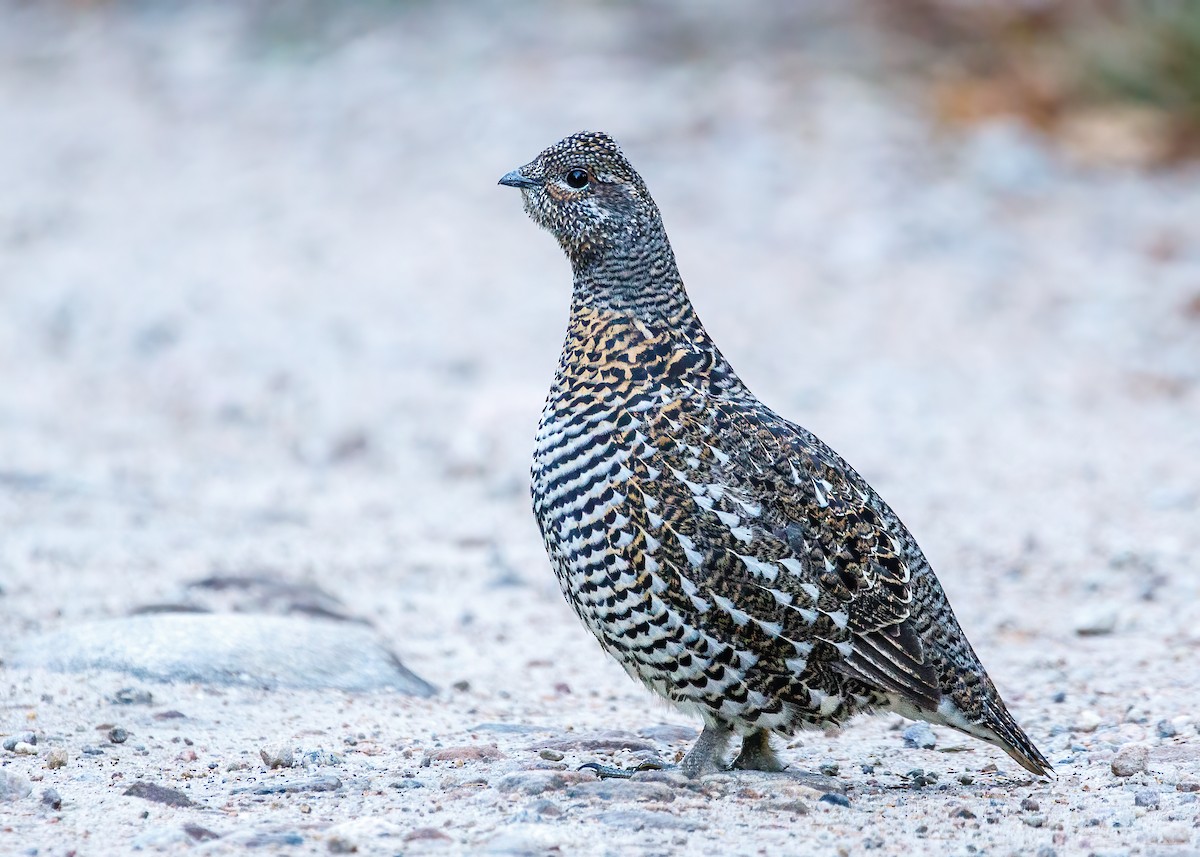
(848, 543)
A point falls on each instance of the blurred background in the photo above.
(264, 309)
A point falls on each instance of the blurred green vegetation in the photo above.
(1114, 79)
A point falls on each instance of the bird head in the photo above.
(584, 191)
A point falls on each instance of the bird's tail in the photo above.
(989, 721)
(1001, 728)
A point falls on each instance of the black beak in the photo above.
(515, 179)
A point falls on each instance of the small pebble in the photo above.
(118, 735)
(1096, 620)
(920, 778)
(920, 735)
(1088, 721)
(830, 769)
(21, 748)
(407, 784)
(56, 758)
(320, 758)
(1147, 798)
(546, 807)
(158, 794)
(52, 799)
(277, 757)
(835, 799)
(1166, 729)
(89, 750)
(966, 779)
(1130, 759)
(131, 696)
(1034, 819)
(1030, 805)
(551, 755)
(13, 786)
(11, 742)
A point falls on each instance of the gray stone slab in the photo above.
(261, 651)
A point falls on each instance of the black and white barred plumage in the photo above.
(726, 557)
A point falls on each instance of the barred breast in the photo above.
(660, 546)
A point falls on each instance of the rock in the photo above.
(158, 794)
(1096, 620)
(56, 758)
(795, 807)
(226, 649)
(1088, 721)
(52, 799)
(606, 742)
(538, 782)
(673, 778)
(920, 735)
(1034, 819)
(324, 783)
(168, 839)
(668, 733)
(10, 743)
(509, 728)
(835, 799)
(551, 755)
(273, 840)
(966, 779)
(1030, 805)
(428, 834)
(320, 758)
(367, 835)
(23, 749)
(118, 735)
(641, 819)
(1130, 759)
(622, 790)
(1147, 798)
(13, 786)
(132, 696)
(468, 753)
(1166, 729)
(401, 785)
(277, 757)
(200, 834)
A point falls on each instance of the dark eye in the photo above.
(577, 179)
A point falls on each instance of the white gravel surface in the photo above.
(264, 314)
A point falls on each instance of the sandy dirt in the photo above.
(264, 313)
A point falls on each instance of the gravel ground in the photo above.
(267, 318)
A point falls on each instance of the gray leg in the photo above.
(757, 754)
(707, 755)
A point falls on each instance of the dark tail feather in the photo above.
(1011, 738)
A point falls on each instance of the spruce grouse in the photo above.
(727, 558)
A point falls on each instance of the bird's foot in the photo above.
(757, 755)
(707, 755)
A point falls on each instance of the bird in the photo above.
(725, 557)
